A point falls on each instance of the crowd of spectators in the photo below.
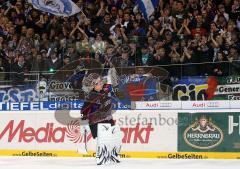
(179, 32)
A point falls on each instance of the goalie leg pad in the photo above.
(108, 144)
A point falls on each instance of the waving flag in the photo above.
(147, 7)
(56, 7)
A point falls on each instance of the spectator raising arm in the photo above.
(184, 27)
(80, 30)
(102, 9)
(216, 45)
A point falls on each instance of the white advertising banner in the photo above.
(157, 105)
(148, 130)
(186, 105)
(234, 104)
(142, 130)
(207, 105)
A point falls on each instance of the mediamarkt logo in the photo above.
(50, 133)
(203, 134)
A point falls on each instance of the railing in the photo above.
(173, 71)
(58, 86)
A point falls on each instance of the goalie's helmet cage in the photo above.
(89, 82)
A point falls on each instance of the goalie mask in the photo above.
(89, 82)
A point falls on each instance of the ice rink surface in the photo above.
(89, 163)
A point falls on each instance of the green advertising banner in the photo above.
(209, 132)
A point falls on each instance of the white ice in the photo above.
(89, 163)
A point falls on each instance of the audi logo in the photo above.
(165, 105)
(213, 104)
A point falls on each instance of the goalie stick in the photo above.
(80, 149)
(85, 140)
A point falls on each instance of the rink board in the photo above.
(146, 134)
(50, 130)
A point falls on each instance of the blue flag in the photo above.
(57, 7)
(147, 7)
